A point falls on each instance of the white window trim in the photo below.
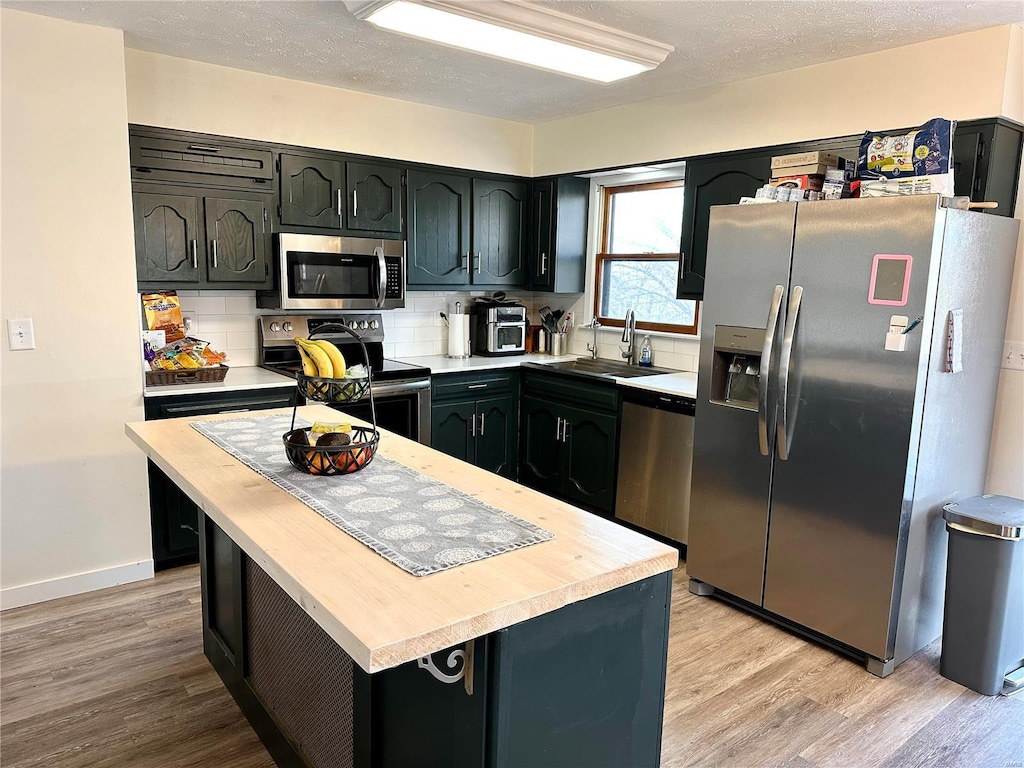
(595, 228)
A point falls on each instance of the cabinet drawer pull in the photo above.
(236, 410)
(477, 386)
(202, 148)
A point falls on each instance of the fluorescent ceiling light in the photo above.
(518, 31)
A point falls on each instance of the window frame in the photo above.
(603, 256)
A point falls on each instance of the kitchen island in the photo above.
(553, 654)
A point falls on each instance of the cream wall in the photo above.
(888, 89)
(73, 502)
(189, 95)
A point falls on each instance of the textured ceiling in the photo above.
(716, 41)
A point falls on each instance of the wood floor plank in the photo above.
(117, 679)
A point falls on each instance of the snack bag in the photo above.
(916, 162)
(163, 313)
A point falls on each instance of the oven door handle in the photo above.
(387, 388)
(382, 276)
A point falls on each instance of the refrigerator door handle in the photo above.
(784, 433)
(766, 370)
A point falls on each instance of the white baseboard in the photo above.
(76, 584)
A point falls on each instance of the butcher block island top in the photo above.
(380, 615)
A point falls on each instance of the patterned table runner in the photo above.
(419, 524)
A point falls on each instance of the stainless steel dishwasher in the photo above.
(655, 459)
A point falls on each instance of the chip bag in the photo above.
(913, 162)
(163, 313)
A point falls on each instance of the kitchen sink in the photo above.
(591, 367)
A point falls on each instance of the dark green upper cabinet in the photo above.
(374, 194)
(499, 232)
(718, 181)
(558, 234)
(237, 235)
(986, 162)
(439, 227)
(311, 191)
(166, 235)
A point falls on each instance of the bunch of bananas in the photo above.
(321, 359)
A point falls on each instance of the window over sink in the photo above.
(638, 258)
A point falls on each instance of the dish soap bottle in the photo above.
(645, 352)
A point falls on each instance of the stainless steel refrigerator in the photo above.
(828, 431)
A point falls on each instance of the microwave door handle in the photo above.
(382, 276)
(764, 378)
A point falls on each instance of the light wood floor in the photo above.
(117, 679)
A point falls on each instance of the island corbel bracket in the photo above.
(465, 673)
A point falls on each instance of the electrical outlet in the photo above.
(191, 322)
(1013, 356)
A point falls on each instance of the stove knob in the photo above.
(275, 327)
(374, 325)
(288, 327)
(363, 325)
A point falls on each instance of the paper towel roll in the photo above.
(458, 336)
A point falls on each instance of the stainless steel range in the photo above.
(401, 391)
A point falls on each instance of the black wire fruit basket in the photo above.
(331, 458)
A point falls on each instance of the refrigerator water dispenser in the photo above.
(737, 366)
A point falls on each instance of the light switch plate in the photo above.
(20, 334)
(1013, 356)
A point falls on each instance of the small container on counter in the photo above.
(558, 343)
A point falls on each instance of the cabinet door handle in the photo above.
(195, 254)
(213, 244)
(558, 429)
(472, 423)
(565, 430)
(479, 262)
(482, 424)
(339, 202)
(355, 203)
(543, 263)
(188, 527)
(467, 257)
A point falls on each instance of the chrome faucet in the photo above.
(592, 348)
(629, 337)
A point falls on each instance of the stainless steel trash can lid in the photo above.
(989, 515)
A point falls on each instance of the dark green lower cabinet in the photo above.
(541, 464)
(579, 687)
(590, 457)
(570, 451)
(450, 430)
(476, 429)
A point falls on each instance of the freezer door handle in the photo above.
(766, 369)
(783, 427)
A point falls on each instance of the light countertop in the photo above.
(247, 377)
(683, 383)
(379, 614)
(439, 364)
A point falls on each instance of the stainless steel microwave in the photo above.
(326, 272)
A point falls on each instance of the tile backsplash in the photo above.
(226, 319)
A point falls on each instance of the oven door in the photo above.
(322, 272)
(403, 407)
